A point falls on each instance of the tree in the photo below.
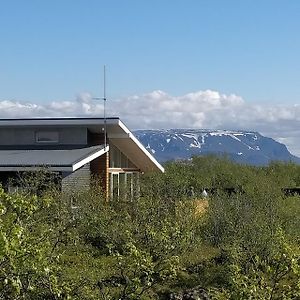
(28, 265)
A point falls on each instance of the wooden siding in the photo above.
(94, 139)
(99, 170)
(99, 166)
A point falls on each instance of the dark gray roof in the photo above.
(62, 158)
(57, 121)
(118, 134)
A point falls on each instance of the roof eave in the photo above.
(58, 168)
(88, 159)
(156, 165)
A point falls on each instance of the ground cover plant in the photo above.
(243, 243)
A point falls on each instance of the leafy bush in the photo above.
(243, 244)
(29, 267)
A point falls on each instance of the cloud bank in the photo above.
(203, 109)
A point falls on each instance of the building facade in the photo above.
(78, 150)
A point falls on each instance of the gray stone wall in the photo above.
(76, 181)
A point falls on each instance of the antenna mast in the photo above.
(104, 103)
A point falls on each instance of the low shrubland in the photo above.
(239, 242)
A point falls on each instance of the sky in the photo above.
(170, 64)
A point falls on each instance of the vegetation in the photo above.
(240, 242)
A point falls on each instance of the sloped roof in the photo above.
(56, 160)
(134, 150)
(117, 133)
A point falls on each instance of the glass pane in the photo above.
(129, 186)
(46, 137)
(118, 159)
(122, 186)
(136, 185)
(114, 186)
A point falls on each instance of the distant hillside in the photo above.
(241, 146)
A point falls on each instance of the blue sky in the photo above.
(220, 64)
(52, 50)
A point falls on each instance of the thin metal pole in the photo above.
(104, 104)
(105, 129)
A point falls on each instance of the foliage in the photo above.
(29, 267)
(273, 277)
(143, 241)
(243, 244)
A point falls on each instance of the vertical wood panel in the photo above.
(99, 166)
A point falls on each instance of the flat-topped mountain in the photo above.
(241, 146)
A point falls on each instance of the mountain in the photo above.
(241, 146)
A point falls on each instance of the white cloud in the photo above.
(211, 110)
(202, 109)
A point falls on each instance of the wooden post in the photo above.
(107, 177)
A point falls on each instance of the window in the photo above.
(118, 159)
(124, 186)
(46, 137)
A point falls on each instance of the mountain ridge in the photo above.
(248, 147)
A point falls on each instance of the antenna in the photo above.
(104, 104)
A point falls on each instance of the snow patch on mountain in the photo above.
(242, 146)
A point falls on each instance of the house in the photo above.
(76, 149)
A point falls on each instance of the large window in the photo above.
(124, 176)
(118, 159)
(124, 186)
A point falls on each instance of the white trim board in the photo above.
(88, 159)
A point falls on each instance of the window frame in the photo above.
(50, 141)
